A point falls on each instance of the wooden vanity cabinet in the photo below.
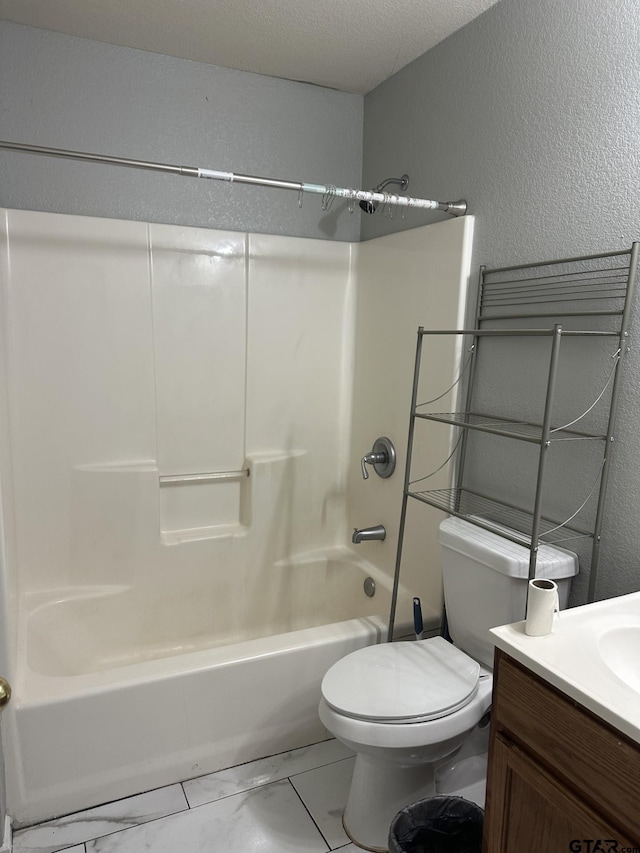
(560, 780)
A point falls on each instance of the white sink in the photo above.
(592, 655)
(620, 650)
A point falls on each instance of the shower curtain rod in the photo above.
(455, 208)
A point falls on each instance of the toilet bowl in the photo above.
(401, 707)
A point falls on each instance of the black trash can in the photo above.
(438, 825)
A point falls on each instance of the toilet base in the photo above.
(353, 840)
(379, 789)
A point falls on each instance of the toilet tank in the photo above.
(485, 578)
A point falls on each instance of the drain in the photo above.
(369, 587)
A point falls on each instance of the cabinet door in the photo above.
(529, 811)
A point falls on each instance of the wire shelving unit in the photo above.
(567, 299)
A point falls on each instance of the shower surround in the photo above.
(184, 411)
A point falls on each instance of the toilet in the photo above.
(402, 707)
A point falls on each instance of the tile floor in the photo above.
(289, 803)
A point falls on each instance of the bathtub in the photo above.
(116, 695)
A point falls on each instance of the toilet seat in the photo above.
(400, 683)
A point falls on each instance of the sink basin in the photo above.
(620, 651)
(592, 655)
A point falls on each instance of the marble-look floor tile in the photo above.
(324, 792)
(224, 783)
(465, 778)
(77, 828)
(269, 819)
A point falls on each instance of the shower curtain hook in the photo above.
(300, 196)
(327, 198)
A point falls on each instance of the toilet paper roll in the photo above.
(542, 605)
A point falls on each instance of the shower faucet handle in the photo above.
(5, 692)
(371, 459)
(382, 456)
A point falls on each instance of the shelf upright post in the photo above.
(613, 408)
(469, 395)
(405, 489)
(544, 447)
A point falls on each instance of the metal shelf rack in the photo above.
(593, 291)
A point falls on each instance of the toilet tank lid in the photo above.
(502, 555)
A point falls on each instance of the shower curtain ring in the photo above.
(327, 198)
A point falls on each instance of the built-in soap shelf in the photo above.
(201, 505)
(133, 502)
(195, 534)
(178, 479)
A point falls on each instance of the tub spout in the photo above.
(366, 534)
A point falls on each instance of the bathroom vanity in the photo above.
(564, 758)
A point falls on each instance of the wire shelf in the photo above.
(521, 430)
(498, 517)
(593, 285)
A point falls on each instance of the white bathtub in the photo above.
(115, 696)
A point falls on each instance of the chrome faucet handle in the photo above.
(382, 456)
(371, 459)
(363, 462)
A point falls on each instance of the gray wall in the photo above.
(67, 92)
(532, 113)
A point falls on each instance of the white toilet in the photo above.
(403, 706)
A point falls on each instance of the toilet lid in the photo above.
(402, 682)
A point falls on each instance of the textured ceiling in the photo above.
(351, 45)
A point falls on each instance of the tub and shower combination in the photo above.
(119, 696)
(185, 414)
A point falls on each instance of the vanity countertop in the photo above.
(592, 655)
